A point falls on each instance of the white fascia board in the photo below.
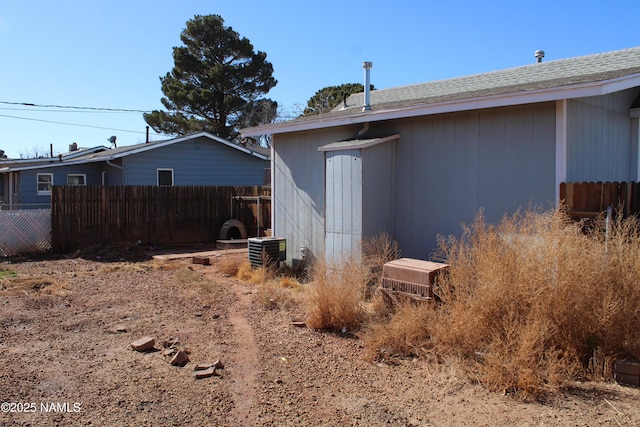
(517, 98)
(47, 165)
(231, 144)
(57, 164)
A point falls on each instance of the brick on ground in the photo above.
(180, 358)
(143, 344)
(201, 260)
(205, 373)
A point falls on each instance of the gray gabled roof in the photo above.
(92, 156)
(544, 75)
(545, 81)
(128, 150)
(80, 152)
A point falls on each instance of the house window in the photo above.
(76, 180)
(45, 182)
(165, 177)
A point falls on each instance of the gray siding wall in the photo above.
(29, 180)
(114, 175)
(298, 207)
(635, 149)
(447, 168)
(599, 138)
(378, 186)
(450, 167)
(196, 162)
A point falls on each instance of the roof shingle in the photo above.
(543, 75)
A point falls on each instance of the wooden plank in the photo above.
(627, 199)
(563, 193)
(635, 201)
(615, 196)
(577, 196)
(607, 194)
(599, 196)
(592, 205)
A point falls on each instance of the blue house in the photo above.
(199, 159)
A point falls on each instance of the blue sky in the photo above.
(110, 54)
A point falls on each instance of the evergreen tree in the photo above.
(328, 98)
(215, 84)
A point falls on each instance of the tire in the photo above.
(232, 229)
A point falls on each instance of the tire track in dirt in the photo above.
(245, 363)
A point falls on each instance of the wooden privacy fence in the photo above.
(590, 199)
(100, 215)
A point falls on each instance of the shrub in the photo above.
(229, 265)
(278, 292)
(529, 303)
(335, 297)
(377, 251)
(275, 289)
(401, 334)
(254, 275)
(547, 296)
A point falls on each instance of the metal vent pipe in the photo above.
(367, 83)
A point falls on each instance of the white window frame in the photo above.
(164, 170)
(84, 179)
(50, 184)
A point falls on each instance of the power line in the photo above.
(62, 111)
(30, 104)
(71, 124)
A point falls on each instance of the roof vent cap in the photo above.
(539, 54)
(367, 83)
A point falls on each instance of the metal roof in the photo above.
(537, 82)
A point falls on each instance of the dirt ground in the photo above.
(66, 359)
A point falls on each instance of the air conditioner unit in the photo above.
(266, 250)
(411, 277)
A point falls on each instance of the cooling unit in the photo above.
(411, 277)
(267, 250)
